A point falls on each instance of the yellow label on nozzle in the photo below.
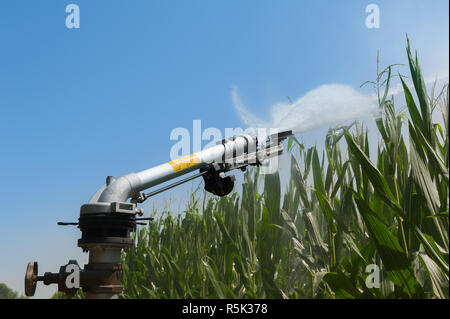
(184, 162)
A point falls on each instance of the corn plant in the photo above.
(341, 212)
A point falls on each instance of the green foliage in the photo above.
(58, 295)
(8, 293)
(61, 295)
(339, 212)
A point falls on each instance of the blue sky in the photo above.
(77, 105)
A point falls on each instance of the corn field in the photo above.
(340, 212)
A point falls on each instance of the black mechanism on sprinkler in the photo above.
(216, 182)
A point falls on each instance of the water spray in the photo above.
(107, 221)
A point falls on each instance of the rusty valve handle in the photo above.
(31, 278)
(96, 277)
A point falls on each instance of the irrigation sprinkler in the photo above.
(111, 215)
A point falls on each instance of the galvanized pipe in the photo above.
(103, 255)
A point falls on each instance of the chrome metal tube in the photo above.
(126, 186)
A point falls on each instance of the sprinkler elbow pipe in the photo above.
(121, 189)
